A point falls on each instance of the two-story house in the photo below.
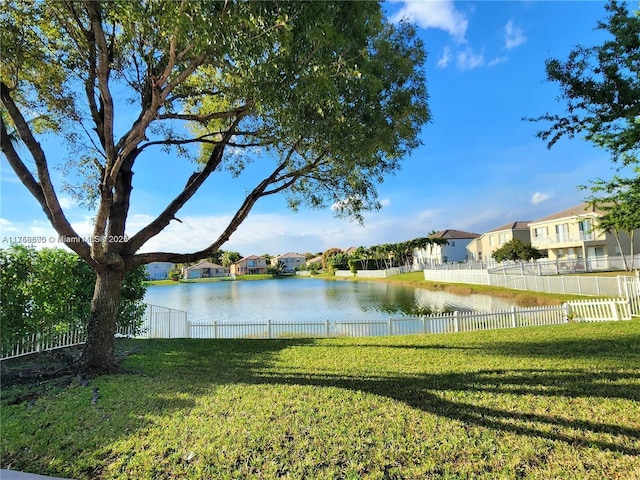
(159, 270)
(573, 234)
(291, 261)
(250, 265)
(481, 248)
(454, 250)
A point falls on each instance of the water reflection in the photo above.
(310, 300)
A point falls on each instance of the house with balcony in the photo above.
(573, 234)
(481, 248)
(250, 265)
(291, 261)
(451, 251)
(204, 269)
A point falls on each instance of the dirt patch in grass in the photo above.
(26, 378)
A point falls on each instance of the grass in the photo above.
(545, 402)
(522, 298)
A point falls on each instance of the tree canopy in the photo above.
(618, 200)
(600, 87)
(322, 99)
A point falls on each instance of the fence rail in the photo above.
(585, 310)
(162, 322)
(577, 284)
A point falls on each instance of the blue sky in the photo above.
(480, 165)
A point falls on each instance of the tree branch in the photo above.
(43, 191)
(192, 186)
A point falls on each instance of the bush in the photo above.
(515, 250)
(49, 291)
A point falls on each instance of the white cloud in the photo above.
(66, 202)
(444, 60)
(540, 197)
(497, 61)
(468, 60)
(385, 202)
(440, 14)
(513, 36)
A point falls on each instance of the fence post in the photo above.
(390, 327)
(269, 328)
(424, 323)
(215, 329)
(614, 310)
(327, 324)
(456, 321)
(514, 318)
(567, 312)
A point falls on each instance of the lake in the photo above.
(309, 300)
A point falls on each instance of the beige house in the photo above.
(204, 269)
(290, 260)
(481, 248)
(250, 265)
(572, 234)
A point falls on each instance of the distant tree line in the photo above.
(377, 257)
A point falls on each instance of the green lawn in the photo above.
(545, 402)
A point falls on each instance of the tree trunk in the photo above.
(98, 355)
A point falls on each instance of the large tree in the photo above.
(600, 87)
(618, 201)
(327, 97)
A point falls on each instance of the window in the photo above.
(586, 230)
(452, 243)
(502, 239)
(540, 233)
(562, 232)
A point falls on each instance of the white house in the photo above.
(159, 270)
(454, 250)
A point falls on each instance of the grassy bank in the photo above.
(416, 279)
(545, 402)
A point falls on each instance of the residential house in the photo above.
(204, 269)
(454, 250)
(291, 261)
(159, 270)
(572, 234)
(481, 248)
(315, 261)
(250, 265)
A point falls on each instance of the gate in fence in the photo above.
(630, 289)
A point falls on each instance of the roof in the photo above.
(519, 225)
(450, 234)
(315, 259)
(204, 264)
(575, 211)
(290, 254)
(250, 257)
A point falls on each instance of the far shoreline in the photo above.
(523, 298)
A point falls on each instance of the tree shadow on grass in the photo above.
(256, 363)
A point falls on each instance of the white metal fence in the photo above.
(37, 343)
(584, 310)
(162, 322)
(574, 285)
(376, 273)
